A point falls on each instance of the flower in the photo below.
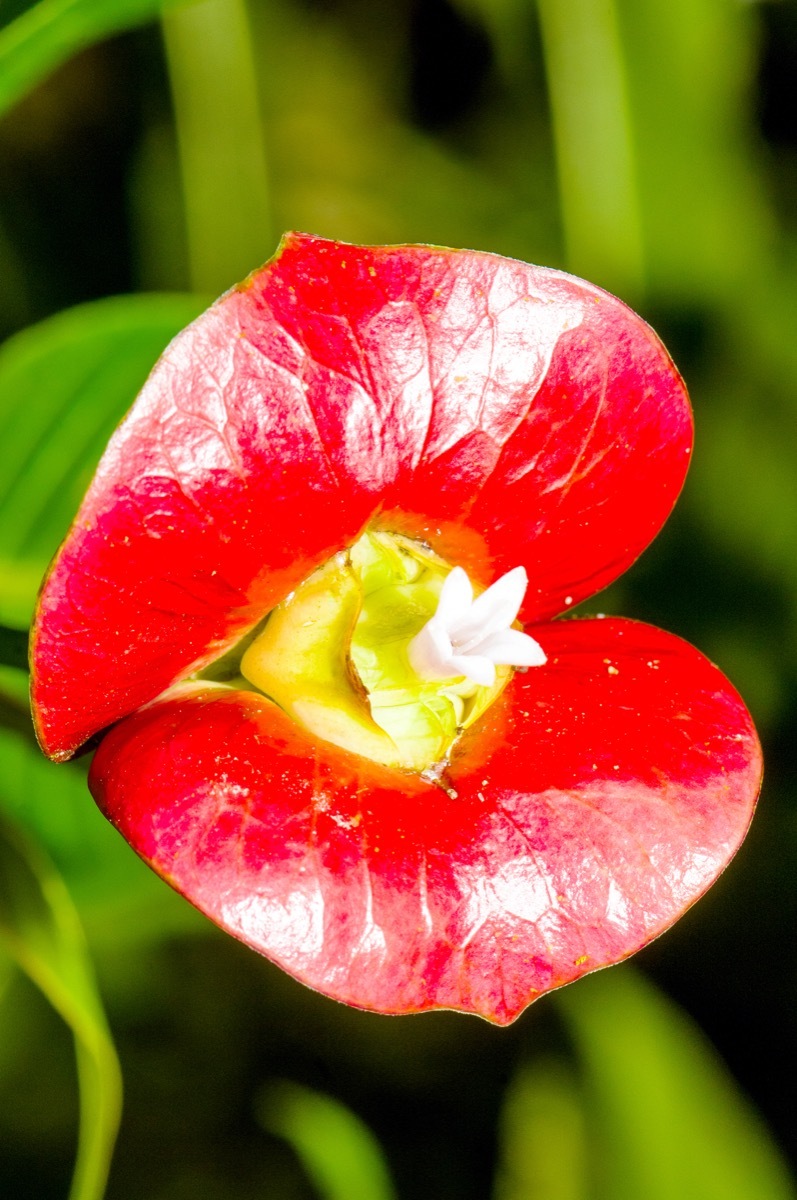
(265, 602)
(468, 637)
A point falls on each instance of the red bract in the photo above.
(505, 415)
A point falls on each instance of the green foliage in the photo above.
(122, 904)
(220, 140)
(594, 147)
(705, 216)
(47, 33)
(544, 1153)
(666, 1117)
(39, 928)
(54, 805)
(647, 1109)
(338, 1151)
(64, 386)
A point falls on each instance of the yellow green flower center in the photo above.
(334, 656)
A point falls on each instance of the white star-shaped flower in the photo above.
(470, 637)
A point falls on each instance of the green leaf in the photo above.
(40, 929)
(666, 1120)
(64, 385)
(339, 1153)
(214, 84)
(121, 902)
(48, 33)
(591, 121)
(544, 1153)
(706, 223)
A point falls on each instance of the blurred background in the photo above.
(150, 155)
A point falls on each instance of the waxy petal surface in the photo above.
(587, 810)
(506, 414)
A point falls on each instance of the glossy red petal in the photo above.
(592, 808)
(506, 413)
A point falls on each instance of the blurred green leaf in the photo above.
(64, 385)
(666, 1121)
(755, 517)
(48, 33)
(591, 120)
(221, 142)
(53, 803)
(543, 1137)
(40, 929)
(339, 1153)
(344, 162)
(121, 901)
(690, 68)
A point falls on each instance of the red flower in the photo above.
(500, 415)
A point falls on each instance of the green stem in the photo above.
(594, 145)
(40, 928)
(220, 141)
(100, 1083)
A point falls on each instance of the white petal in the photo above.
(456, 598)
(468, 637)
(494, 609)
(474, 667)
(430, 652)
(512, 648)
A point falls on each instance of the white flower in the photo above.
(469, 637)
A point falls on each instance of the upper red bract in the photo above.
(507, 415)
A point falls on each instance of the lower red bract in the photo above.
(595, 802)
